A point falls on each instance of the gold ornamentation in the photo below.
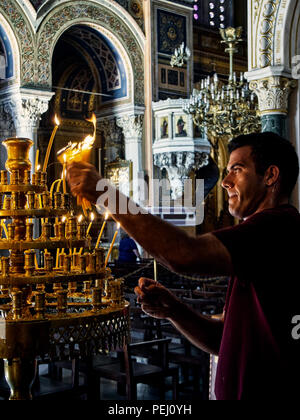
(70, 312)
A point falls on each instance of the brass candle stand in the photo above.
(70, 304)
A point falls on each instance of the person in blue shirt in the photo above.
(128, 250)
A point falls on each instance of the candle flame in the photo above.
(93, 120)
(38, 167)
(56, 120)
(64, 218)
(65, 158)
(75, 150)
(92, 216)
(106, 215)
(80, 218)
(118, 226)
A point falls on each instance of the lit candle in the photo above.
(112, 245)
(101, 231)
(64, 174)
(57, 123)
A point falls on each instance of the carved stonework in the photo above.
(6, 120)
(25, 37)
(273, 94)
(25, 109)
(113, 139)
(132, 126)
(26, 112)
(179, 166)
(267, 33)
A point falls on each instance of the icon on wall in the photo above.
(164, 128)
(181, 126)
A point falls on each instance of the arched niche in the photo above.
(108, 18)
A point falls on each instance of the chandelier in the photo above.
(181, 56)
(222, 109)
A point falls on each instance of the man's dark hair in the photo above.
(271, 149)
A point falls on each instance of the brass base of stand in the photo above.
(20, 374)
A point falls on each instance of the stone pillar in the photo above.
(273, 96)
(133, 134)
(113, 139)
(25, 108)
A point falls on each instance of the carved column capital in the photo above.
(26, 109)
(132, 126)
(273, 94)
(112, 133)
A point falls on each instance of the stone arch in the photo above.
(286, 34)
(103, 15)
(11, 49)
(273, 33)
(21, 36)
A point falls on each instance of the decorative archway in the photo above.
(273, 33)
(102, 15)
(21, 35)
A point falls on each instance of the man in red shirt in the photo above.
(258, 357)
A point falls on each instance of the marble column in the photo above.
(133, 134)
(273, 97)
(25, 109)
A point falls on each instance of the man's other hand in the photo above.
(83, 178)
(156, 300)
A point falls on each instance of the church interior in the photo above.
(147, 91)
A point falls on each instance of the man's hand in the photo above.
(83, 178)
(156, 300)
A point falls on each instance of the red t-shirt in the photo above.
(258, 358)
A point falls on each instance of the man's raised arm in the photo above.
(167, 243)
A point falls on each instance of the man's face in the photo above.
(246, 189)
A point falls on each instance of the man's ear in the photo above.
(272, 175)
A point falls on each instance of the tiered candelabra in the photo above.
(69, 304)
(225, 109)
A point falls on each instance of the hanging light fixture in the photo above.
(222, 109)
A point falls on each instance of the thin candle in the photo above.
(58, 250)
(112, 245)
(53, 186)
(57, 123)
(64, 174)
(155, 270)
(88, 229)
(36, 160)
(101, 231)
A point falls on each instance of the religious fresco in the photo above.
(171, 31)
